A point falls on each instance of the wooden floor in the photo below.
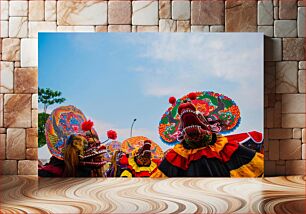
(202, 195)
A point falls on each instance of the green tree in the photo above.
(49, 97)
(42, 118)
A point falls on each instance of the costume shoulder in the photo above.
(246, 162)
(181, 157)
(223, 159)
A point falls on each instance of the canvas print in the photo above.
(151, 105)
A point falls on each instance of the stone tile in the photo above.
(119, 12)
(290, 149)
(199, 28)
(17, 110)
(11, 49)
(293, 49)
(18, 8)
(15, 144)
(297, 133)
(280, 133)
(183, 26)
(29, 52)
(295, 167)
(266, 139)
(35, 118)
(266, 155)
(304, 135)
(216, 28)
(18, 27)
(270, 168)
(285, 28)
(50, 10)
(301, 21)
(275, 3)
(286, 77)
(302, 65)
(293, 120)
(1, 111)
(181, 10)
(267, 30)
(145, 13)
(147, 28)
(36, 10)
(75, 29)
(293, 103)
(301, 81)
(8, 167)
(34, 101)
(134, 28)
(265, 12)
(2, 130)
(266, 101)
(240, 16)
(27, 167)
(4, 9)
(119, 28)
(269, 77)
(281, 163)
(31, 138)
(32, 154)
(277, 117)
(7, 77)
(17, 64)
(303, 151)
(164, 9)
(287, 9)
(4, 29)
(280, 170)
(167, 25)
(101, 28)
(273, 49)
(207, 12)
(36, 26)
(1, 46)
(269, 118)
(271, 99)
(275, 13)
(26, 80)
(2, 146)
(81, 12)
(274, 150)
(301, 3)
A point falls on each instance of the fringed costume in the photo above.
(198, 121)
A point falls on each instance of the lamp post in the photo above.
(132, 127)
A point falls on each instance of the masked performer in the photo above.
(74, 145)
(141, 157)
(118, 164)
(195, 123)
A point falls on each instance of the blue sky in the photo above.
(116, 77)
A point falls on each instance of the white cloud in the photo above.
(181, 63)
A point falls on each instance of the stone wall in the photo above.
(282, 21)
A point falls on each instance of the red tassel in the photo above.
(192, 96)
(87, 125)
(111, 134)
(172, 100)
